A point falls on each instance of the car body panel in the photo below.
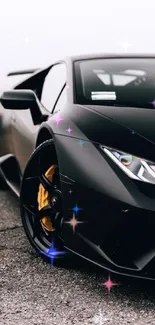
(116, 219)
(116, 229)
(130, 117)
(102, 129)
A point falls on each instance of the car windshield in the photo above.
(116, 82)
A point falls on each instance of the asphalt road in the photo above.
(32, 292)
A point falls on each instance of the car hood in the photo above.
(141, 121)
(131, 130)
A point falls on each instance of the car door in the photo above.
(24, 131)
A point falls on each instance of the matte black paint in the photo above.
(122, 242)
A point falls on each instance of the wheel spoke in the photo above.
(36, 229)
(29, 188)
(46, 183)
(38, 215)
(56, 180)
(40, 163)
(30, 209)
(41, 177)
(47, 210)
(31, 178)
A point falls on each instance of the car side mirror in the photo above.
(21, 99)
(18, 99)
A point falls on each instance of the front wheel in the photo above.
(41, 202)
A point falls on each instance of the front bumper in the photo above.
(117, 214)
(113, 235)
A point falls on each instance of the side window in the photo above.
(62, 100)
(53, 84)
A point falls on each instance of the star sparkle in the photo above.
(69, 130)
(125, 45)
(27, 40)
(76, 209)
(109, 284)
(81, 142)
(98, 319)
(73, 222)
(153, 103)
(57, 118)
(52, 253)
(70, 191)
(133, 132)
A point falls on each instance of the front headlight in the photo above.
(134, 167)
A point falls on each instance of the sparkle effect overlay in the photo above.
(81, 142)
(53, 253)
(125, 45)
(73, 222)
(57, 118)
(76, 209)
(109, 284)
(153, 103)
(69, 130)
(27, 40)
(98, 319)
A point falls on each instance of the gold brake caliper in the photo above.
(43, 199)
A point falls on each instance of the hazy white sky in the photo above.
(35, 32)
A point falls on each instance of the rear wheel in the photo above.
(41, 202)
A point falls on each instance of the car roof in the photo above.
(110, 55)
(71, 59)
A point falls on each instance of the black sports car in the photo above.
(77, 145)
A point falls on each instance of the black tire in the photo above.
(42, 240)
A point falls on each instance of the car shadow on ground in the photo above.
(133, 291)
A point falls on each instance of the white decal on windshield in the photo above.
(103, 95)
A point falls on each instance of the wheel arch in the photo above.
(43, 135)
